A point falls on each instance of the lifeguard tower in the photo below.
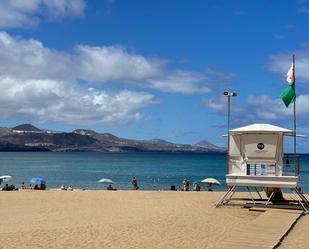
(256, 160)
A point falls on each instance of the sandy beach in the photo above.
(122, 219)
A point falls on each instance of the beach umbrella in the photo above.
(211, 181)
(38, 180)
(5, 178)
(106, 181)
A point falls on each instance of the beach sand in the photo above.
(298, 238)
(121, 219)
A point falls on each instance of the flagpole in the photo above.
(294, 114)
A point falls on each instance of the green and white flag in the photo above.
(288, 94)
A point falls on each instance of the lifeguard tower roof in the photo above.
(262, 128)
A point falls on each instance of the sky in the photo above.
(153, 69)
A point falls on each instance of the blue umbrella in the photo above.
(38, 181)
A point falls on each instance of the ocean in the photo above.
(153, 170)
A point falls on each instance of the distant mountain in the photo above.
(208, 145)
(26, 127)
(113, 143)
(27, 137)
(157, 141)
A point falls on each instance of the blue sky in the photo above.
(152, 69)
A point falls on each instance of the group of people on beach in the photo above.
(39, 187)
(11, 187)
(35, 187)
(134, 183)
(64, 188)
(8, 187)
(186, 186)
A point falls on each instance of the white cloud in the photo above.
(281, 63)
(42, 83)
(49, 100)
(31, 59)
(113, 63)
(47, 84)
(63, 8)
(220, 105)
(180, 82)
(266, 108)
(302, 103)
(217, 105)
(262, 108)
(28, 13)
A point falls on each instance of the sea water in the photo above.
(153, 170)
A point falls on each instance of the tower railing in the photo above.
(291, 165)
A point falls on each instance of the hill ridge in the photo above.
(30, 137)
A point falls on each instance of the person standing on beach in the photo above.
(23, 185)
(134, 183)
(185, 185)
